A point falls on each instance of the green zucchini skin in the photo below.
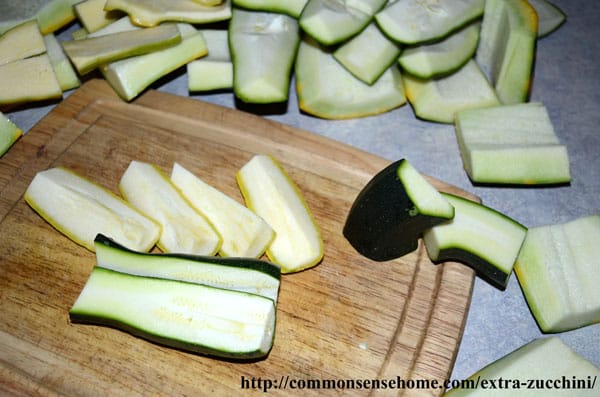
(383, 222)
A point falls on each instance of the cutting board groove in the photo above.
(348, 318)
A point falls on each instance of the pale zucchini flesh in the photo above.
(262, 76)
(36, 77)
(215, 70)
(22, 41)
(270, 192)
(292, 8)
(184, 229)
(186, 316)
(50, 15)
(550, 16)
(9, 133)
(558, 271)
(80, 209)
(93, 17)
(63, 69)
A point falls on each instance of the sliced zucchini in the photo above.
(21, 41)
(262, 76)
(122, 24)
(326, 89)
(215, 70)
(368, 54)
(331, 22)
(93, 17)
(28, 80)
(550, 16)
(184, 229)
(442, 57)
(439, 99)
(50, 15)
(506, 49)
(9, 133)
(418, 21)
(558, 271)
(244, 233)
(511, 144)
(153, 12)
(81, 209)
(89, 53)
(239, 274)
(130, 76)
(271, 194)
(193, 317)
(292, 8)
(478, 236)
(63, 69)
(542, 367)
(391, 212)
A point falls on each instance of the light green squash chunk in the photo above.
(65, 73)
(511, 144)
(292, 8)
(36, 78)
(22, 41)
(558, 269)
(9, 133)
(439, 99)
(326, 89)
(93, 17)
(544, 367)
(550, 17)
(215, 70)
(50, 15)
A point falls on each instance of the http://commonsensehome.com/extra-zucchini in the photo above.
(215, 321)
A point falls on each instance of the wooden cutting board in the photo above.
(348, 319)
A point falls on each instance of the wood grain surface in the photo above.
(348, 319)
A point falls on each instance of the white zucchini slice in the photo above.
(244, 233)
(418, 21)
(511, 144)
(93, 17)
(184, 229)
(50, 15)
(9, 133)
(215, 70)
(36, 81)
(550, 16)
(153, 12)
(326, 89)
(263, 47)
(89, 53)
(541, 368)
(439, 99)
(331, 22)
(292, 8)
(442, 57)
(21, 41)
(559, 272)
(368, 54)
(478, 236)
(187, 316)
(130, 76)
(80, 209)
(271, 194)
(63, 69)
(506, 49)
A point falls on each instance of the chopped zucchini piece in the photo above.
(193, 317)
(21, 41)
(506, 49)
(326, 89)
(153, 12)
(439, 99)
(93, 17)
(478, 236)
(184, 229)
(130, 76)
(63, 69)
(215, 70)
(270, 192)
(262, 76)
(391, 212)
(331, 22)
(559, 272)
(292, 8)
(550, 17)
(511, 144)
(50, 15)
(541, 368)
(441, 57)
(81, 209)
(244, 233)
(239, 274)
(418, 21)
(36, 81)
(89, 53)
(9, 133)
(368, 54)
